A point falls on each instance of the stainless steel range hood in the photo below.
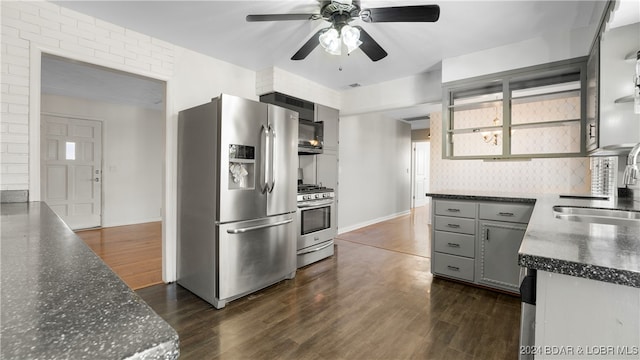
(310, 130)
(305, 109)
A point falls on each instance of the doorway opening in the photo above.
(420, 175)
(102, 164)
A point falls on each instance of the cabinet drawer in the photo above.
(455, 244)
(459, 225)
(456, 208)
(519, 213)
(453, 266)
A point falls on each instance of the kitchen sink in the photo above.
(597, 215)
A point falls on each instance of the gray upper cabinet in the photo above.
(593, 95)
(532, 112)
(618, 127)
(327, 162)
(330, 118)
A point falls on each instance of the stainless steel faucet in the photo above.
(631, 171)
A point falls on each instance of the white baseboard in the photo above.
(133, 222)
(371, 222)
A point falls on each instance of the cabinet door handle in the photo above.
(487, 234)
(454, 210)
(453, 245)
(455, 226)
(453, 268)
(505, 214)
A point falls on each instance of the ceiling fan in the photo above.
(340, 13)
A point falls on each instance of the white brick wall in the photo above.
(264, 81)
(49, 26)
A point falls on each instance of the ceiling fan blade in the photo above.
(417, 13)
(308, 47)
(281, 17)
(370, 47)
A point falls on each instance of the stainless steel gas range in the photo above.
(316, 223)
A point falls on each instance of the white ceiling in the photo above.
(219, 29)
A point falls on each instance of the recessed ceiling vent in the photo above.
(354, 85)
(423, 117)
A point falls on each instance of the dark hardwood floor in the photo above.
(365, 302)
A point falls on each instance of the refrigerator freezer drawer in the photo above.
(255, 254)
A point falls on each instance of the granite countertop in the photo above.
(483, 195)
(603, 252)
(60, 301)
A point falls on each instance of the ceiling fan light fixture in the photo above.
(339, 13)
(330, 41)
(351, 38)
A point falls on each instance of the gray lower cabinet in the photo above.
(497, 260)
(453, 245)
(453, 266)
(478, 241)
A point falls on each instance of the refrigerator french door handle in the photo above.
(272, 179)
(264, 138)
(257, 227)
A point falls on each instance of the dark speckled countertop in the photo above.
(60, 301)
(601, 252)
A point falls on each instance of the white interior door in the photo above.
(71, 164)
(421, 153)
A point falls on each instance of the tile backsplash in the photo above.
(556, 175)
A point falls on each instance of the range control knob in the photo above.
(317, 196)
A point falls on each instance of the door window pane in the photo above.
(70, 150)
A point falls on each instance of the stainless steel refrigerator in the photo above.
(237, 162)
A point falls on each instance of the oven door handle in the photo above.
(315, 204)
(316, 249)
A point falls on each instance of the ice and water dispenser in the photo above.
(242, 161)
